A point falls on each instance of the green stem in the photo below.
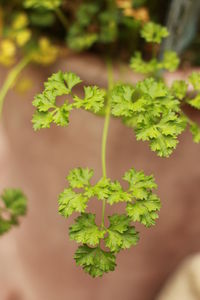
(11, 79)
(105, 132)
(62, 17)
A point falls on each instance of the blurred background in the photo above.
(36, 257)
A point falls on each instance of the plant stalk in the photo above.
(105, 131)
(62, 17)
(11, 79)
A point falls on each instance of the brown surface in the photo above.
(36, 258)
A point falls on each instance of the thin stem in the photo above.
(105, 131)
(11, 79)
(62, 17)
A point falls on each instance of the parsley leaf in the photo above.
(195, 130)
(120, 234)
(14, 205)
(139, 184)
(93, 100)
(85, 230)
(153, 32)
(152, 112)
(79, 177)
(179, 89)
(144, 211)
(70, 201)
(48, 111)
(194, 79)
(95, 261)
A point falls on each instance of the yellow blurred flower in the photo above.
(46, 52)
(7, 52)
(22, 37)
(20, 22)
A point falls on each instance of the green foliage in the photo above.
(142, 206)
(61, 84)
(170, 63)
(47, 4)
(95, 261)
(194, 79)
(120, 234)
(152, 111)
(195, 130)
(154, 33)
(86, 231)
(179, 89)
(12, 206)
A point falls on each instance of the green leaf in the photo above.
(179, 89)
(61, 115)
(70, 202)
(85, 230)
(47, 111)
(153, 32)
(14, 205)
(139, 184)
(101, 190)
(170, 61)
(195, 102)
(195, 130)
(117, 194)
(47, 4)
(120, 234)
(140, 66)
(80, 177)
(41, 120)
(15, 201)
(194, 79)
(144, 211)
(71, 79)
(5, 226)
(152, 88)
(95, 261)
(122, 100)
(156, 116)
(93, 100)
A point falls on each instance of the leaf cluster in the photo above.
(141, 206)
(61, 84)
(12, 206)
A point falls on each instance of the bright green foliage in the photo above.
(86, 231)
(195, 130)
(61, 84)
(48, 4)
(70, 201)
(145, 204)
(152, 111)
(142, 206)
(195, 102)
(179, 89)
(144, 211)
(139, 183)
(13, 206)
(95, 261)
(120, 234)
(194, 79)
(154, 33)
(93, 100)
(170, 63)
(78, 178)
